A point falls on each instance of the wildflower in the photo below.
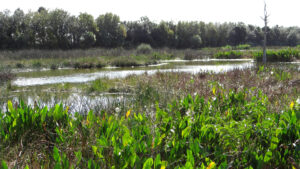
(211, 165)
(118, 110)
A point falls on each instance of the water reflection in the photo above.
(76, 102)
(188, 67)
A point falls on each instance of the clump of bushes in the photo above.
(37, 64)
(98, 85)
(227, 47)
(144, 49)
(284, 55)
(125, 61)
(54, 67)
(19, 65)
(238, 47)
(228, 55)
(243, 47)
(78, 65)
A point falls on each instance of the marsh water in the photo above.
(81, 102)
(43, 77)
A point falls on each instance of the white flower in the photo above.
(298, 101)
(118, 110)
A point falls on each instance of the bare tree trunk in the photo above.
(265, 44)
(265, 18)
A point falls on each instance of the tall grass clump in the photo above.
(228, 55)
(144, 49)
(124, 61)
(284, 55)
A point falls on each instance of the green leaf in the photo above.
(188, 165)
(57, 166)
(163, 165)
(190, 157)
(148, 163)
(133, 159)
(26, 167)
(157, 161)
(186, 131)
(4, 165)
(94, 149)
(78, 155)
(56, 155)
(268, 156)
(126, 139)
(14, 123)
(10, 106)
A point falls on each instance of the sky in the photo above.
(282, 12)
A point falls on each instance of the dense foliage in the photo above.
(284, 55)
(52, 29)
(228, 55)
(231, 129)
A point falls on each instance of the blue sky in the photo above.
(282, 12)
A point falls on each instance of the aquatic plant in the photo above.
(230, 129)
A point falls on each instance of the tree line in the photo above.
(57, 29)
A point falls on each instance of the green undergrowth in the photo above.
(238, 47)
(284, 55)
(229, 55)
(229, 130)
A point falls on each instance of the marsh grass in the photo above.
(67, 58)
(6, 75)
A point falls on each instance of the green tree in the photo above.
(162, 35)
(5, 30)
(238, 34)
(188, 35)
(38, 26)
(111, 32)
(58, 29)
(87, 30)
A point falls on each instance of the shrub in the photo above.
(228, 55)
(144, 49)
(124, 61)
(54, 67)
(99, 65)
(243, 47)
(37, 64)
(227, 47)
(78, 65)
(98, 85)
(19, 65)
